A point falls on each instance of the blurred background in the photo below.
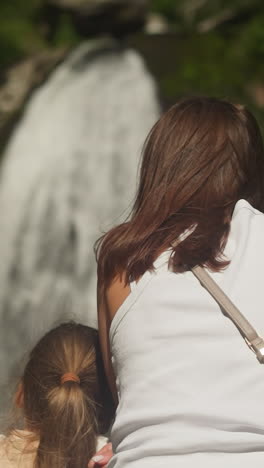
(81, 84)
(191, 46)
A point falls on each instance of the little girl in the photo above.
(64, 400)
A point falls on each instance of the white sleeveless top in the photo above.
(190, 390)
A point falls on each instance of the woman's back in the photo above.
(190, 390)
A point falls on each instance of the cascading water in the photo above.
(68, 173)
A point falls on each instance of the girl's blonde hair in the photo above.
(67, 417)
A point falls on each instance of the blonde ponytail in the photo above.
(67, 414)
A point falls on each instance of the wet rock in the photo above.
(18, 82)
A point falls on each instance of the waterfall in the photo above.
(68, 174)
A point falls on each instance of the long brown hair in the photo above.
(199, 159)
(66, 417)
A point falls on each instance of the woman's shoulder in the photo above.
(116, 294)
(244, 208)
(247, 222)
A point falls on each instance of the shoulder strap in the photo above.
(253, 340)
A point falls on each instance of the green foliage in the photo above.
(22, 33)
(224, 61)
(65, 34)
(206, 66)
(227, 60)
(166, 8)
(251, 46)
(18, 34)
(187, 15)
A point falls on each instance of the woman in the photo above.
(189, 392)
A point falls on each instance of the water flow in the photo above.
(68, 174)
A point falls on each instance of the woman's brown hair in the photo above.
(66, 417)
(199, 159)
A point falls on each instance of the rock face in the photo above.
(19, 80)
(68, 174)
(97, 17)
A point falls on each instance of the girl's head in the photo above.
(67, 412)
(199, 159)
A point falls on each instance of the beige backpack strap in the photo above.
(253, 340)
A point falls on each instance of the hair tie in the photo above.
(69, 377)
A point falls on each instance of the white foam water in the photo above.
(68, 174)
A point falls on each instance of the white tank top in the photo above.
(191, 394)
